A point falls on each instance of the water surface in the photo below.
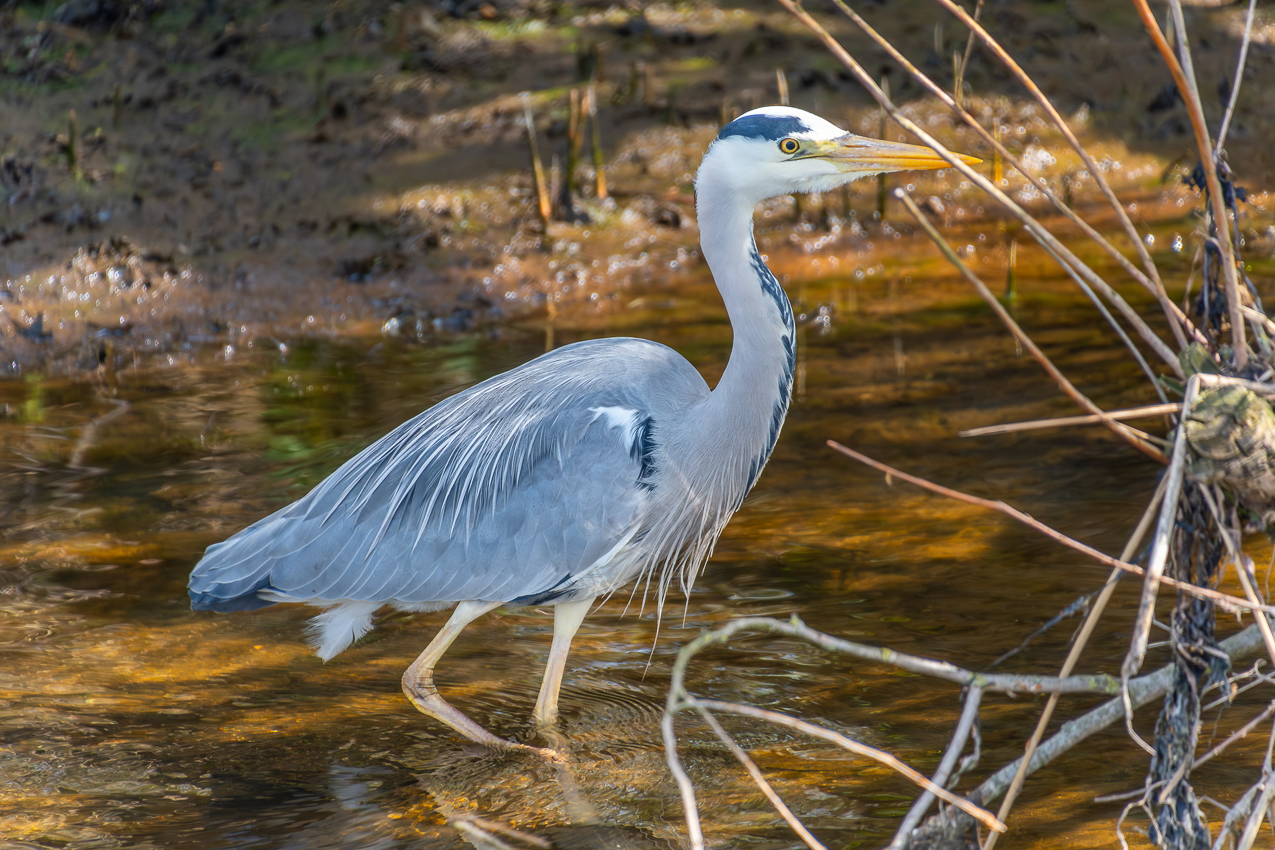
(131, 721)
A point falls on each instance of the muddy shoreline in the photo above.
(178, 176)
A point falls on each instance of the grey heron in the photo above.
(563, 479)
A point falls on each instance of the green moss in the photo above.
(500, 30)
(693, 64)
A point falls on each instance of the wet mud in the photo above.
(182, 175)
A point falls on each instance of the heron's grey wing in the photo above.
(515, 490)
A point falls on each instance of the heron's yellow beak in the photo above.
(857, 153)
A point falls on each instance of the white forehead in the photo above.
(772, 123)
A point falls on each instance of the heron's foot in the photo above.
(428, 701)
(552, 734)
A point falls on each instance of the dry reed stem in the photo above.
(958, 78)
(1145, 412)
(1176, 318)
(1237, 735)
(1259, 814)
(600, 185)
(545, 204)
(1225, 601)
(1152, 272)
(758, 778)
(1070, 263)
(1186, 87)
(1073, 657)
(1239, 76)
(969, 716)
(1160, 542)
(1259, 319)
(575, 143)
(1243, 571)
(1065, 385)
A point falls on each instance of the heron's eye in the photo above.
(789, 146)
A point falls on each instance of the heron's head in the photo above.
(779, 150)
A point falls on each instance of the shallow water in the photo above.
(130, 721)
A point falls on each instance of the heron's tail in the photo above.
(231, 576)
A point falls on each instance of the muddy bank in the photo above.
(232, 174)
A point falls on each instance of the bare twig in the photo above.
(1178, 321)
(1239, 76)
(690, 808)
(1065, 129)
(1222, 600)
(1146, 412)
(1160, 543)
(760, 780)
(969, 716)
(779, 719)
(1238, 734)
(1243, 569)
(1073, 657)
(482, 829)
(1065, 385)
(1072, 264)
(794, 627)
(1186, 86)
(1258, 815)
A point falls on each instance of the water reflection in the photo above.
(130, 721)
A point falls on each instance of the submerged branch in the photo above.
(1160, 542)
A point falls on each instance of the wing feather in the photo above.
(493, 494)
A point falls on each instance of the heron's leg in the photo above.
(418, 681)
(566, 620)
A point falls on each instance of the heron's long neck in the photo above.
(744, 413)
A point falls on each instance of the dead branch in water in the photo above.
(964, 810)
